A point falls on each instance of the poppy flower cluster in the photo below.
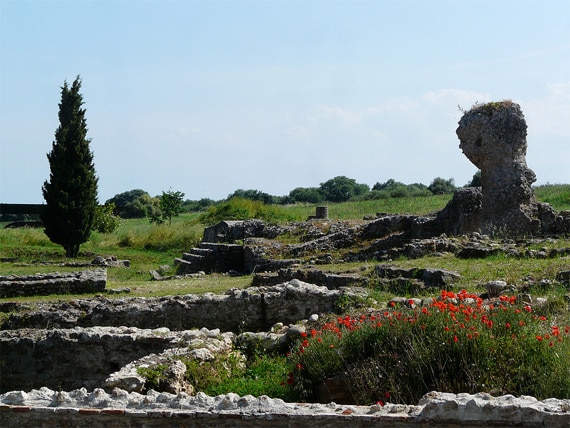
(452, 319)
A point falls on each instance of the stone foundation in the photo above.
(44, 284)
(251, 309)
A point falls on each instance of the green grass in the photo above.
(145, 245)
(557, 195)
(357, 210)
(475, 272)
(232, 372)
(263, 375)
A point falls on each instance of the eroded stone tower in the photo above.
(493, 137)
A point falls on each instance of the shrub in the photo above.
(179, 235)
(310, 195)
(134, 204)
(105, 220)
(454, 345)
(243, 209)
(255, 195)
(259, 375)
(341, 189)
(395, 189)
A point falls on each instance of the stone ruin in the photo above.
(493, 137)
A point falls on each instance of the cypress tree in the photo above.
(71, 193)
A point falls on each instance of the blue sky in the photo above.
(206, 97)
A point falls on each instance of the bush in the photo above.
(190, 206)
(255, 195)
(258, 375)
(105, 220)
(134, 204)
(454, 345)
(179, 236)
(395, 189)
(244, 209)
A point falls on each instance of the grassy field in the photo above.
(148, 246)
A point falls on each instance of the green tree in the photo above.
(341, 189)
(71, 192)
(310, 195)
(440, 186)
(135, 203)
(170, 205)
(199, 205)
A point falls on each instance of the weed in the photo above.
(153, 375)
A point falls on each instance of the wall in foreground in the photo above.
(47, 408)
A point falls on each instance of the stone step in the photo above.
(217, 246)
(201, 251)
(192, 258)
(186, 267)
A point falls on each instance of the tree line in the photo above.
(138, 203)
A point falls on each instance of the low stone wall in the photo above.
(78, 408)
(75, 358)
(87, 281)
(251, 309)
(326, 279)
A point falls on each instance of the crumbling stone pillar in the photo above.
(493, 137)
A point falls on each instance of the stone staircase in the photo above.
(212, 257)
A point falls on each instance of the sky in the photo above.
(207, 97)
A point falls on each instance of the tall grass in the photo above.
(557, 195)
(182, 234)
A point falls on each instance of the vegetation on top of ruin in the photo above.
(489, 107)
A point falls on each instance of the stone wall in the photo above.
(78, 408)
(75, 358)
(87, 281)
(326, 279)
(253, 309)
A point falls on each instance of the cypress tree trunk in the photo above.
(71, 192)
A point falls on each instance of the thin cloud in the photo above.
(346, 116)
